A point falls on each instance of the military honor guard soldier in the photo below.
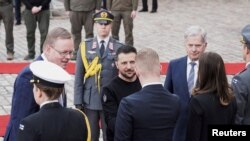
(95, 68)
(240, 82)
(52, 122)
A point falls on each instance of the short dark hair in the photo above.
(125, 49)
(51, 92)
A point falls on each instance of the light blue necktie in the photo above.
(191, 78)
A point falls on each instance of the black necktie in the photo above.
(102, 47)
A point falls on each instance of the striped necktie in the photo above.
(190, 79)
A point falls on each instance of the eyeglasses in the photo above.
(64, 53)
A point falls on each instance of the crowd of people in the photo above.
(118, 89)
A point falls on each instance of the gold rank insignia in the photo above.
(104, 15)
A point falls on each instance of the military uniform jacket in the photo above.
(53, 123)
(86, 93)
(241, 88)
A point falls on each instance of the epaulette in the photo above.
(117, 41)
(241, 71)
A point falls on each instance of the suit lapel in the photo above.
(183, 73)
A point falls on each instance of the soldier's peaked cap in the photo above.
(49, 74)
(103, 16)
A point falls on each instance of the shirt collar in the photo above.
(189, 61)
(247, 64)
(105, 39)
(151, 83)
(44, 57)
(47, 102)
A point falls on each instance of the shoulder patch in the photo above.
(21, 127)
(243, 70)
(104, 98)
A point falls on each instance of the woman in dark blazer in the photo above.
(212, 101)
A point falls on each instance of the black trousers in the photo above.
(145, 5)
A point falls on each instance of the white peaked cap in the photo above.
(49, 74)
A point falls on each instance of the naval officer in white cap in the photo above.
(52, 122)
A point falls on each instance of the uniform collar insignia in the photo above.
(94, 45)
(111, 47)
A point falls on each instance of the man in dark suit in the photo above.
(145, 6)
(58, 48)
(151, 113)
(178, 74)
(52, 122)
(240, 82)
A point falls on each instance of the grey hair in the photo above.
(194, 31)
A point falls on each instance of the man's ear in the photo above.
(137, 72)
(116, 64)
(46, 48)
(248, 50)
(205, 45)
(39, 93)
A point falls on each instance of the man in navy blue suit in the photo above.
(58, 48)
(151, 113)
(178, 75)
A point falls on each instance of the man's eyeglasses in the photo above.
(64, 53)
